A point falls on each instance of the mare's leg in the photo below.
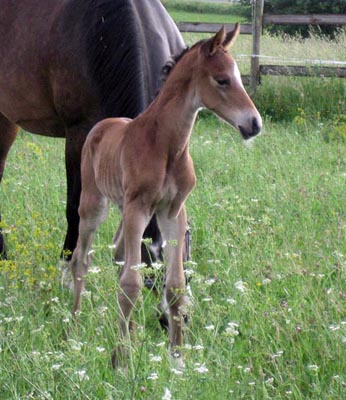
(173, 231)
(135, 220)
(8, 133)
(153, 252)
(93, 211)
(75, 138)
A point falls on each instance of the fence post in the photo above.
(257, 20)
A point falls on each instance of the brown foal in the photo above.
(144, 167)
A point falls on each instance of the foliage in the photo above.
(304, 7)
(335, 130)
(293, 99)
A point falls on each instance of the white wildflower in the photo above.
(210, 327)
(100, 349)
(138, 267)
(201, 368)
(313, 367)
(156, 265)
(241, 286)
(102, 310)
(278, 354)
(153, 376)
(94, 270)
(55, 367)
(155, 358)
(55, 300)
(232, 329)
(198, 347)
(39, 329)
(177, 371)
(167, 395)
(189, 272)
(82, 375)
(334, 327)
(207, 299)
(75, 345)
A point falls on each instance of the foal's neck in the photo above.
(175, 108)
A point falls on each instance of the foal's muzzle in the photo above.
(255, 129)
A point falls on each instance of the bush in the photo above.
(304, 7)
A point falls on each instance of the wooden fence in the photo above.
(256, 28)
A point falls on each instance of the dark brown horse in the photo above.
(66, 64)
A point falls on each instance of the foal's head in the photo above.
(218, 84)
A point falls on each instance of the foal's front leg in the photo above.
(173, 231)
(135, 220)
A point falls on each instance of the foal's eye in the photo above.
(223, 82)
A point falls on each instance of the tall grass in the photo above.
(268, 319)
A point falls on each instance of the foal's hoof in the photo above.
(177, 361)
(66, 275)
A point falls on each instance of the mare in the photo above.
(67, 64)
(144, 167)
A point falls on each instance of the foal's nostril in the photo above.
(256, 126)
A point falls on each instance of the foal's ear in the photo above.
(231, 37)
(217, 40)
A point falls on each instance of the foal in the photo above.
(144, 166)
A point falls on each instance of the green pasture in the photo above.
(268, 223)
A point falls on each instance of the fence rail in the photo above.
(305, 19)
(207, 27)
(256, 28)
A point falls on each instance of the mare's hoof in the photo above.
(3, 254)
(118, 358)
(115, 359)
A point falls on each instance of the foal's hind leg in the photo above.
(93, 211)
(8, 133)
(173, 231)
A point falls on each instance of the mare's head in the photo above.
(218, 84)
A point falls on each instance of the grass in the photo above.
(195, 11)
(268, 229)
(268, 225)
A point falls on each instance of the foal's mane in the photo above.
(170, 64)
